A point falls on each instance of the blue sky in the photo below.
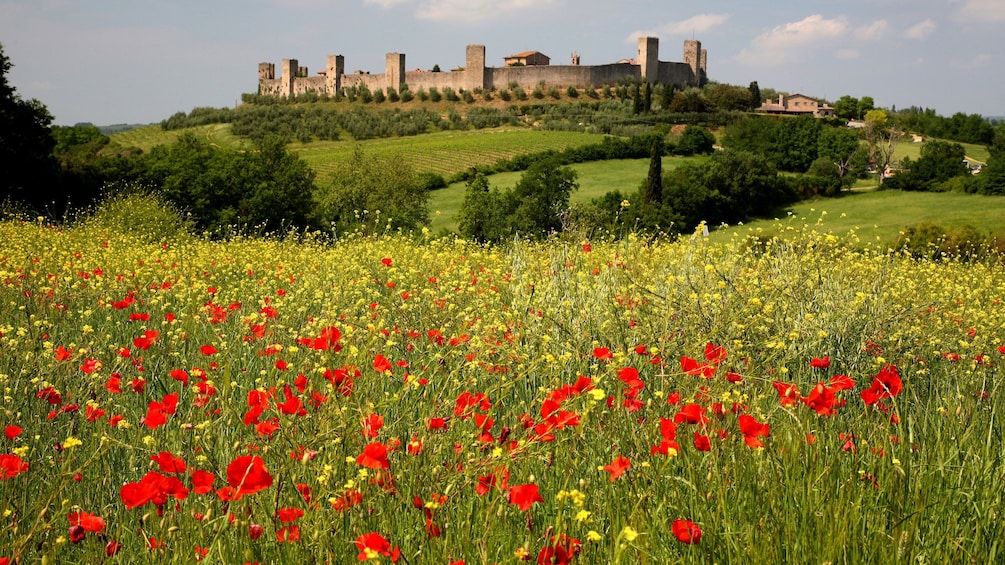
(139, 61)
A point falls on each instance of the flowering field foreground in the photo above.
(436, 402)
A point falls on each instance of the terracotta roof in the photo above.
(524, 54)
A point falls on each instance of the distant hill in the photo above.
(116, 128)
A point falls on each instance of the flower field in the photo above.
(438, 402)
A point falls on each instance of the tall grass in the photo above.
(547, 363)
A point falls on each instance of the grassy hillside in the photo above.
(445, 152)
(880, 216)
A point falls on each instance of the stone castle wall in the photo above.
(475, 74)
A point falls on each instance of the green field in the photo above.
(595, 179)
(446, 152)
(880, 216)
(148, 137)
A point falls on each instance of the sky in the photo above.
(140, 61)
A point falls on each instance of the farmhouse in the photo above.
(796, 104)
(536, 68)
(527, 58)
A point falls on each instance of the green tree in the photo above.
(27, 169)
(865, 104)
(847, 107)
(264, 190)
(882, 140)
(482, 214)
(755, 95)
(541, 198)
(373, 193)
(838, 145)
(652, 190)
(695, 140)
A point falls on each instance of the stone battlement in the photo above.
(294, 79)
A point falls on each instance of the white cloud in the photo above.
(982, 11)
(847, 53)
(793, 40)
(875, 30)
(473, 10)
(692, 26)
(920, 30)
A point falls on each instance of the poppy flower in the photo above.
(618, 467)
(374, 456)
(821, 362)
(524, 496)
(715, 354)
(686, 531)
(691, 414)
(202, 482)
(752, 429)
(372, 424)
(89, 522)
(11, 432)
(692, 368)
(11, 466)
(602, 353)
(168, 463)
(247, 475)
(886, 384)
(701, 442)
(373, 545)
(382, 364)
(788, 394)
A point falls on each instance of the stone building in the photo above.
(295, 80)
(796, 104)
(527, 58)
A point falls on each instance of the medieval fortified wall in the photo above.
(294, 79)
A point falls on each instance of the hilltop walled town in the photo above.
(526, 70)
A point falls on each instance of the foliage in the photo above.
(838, 146)
(964, 128)
(534, 208)
(695, 140)
(268, 190)
(791, 143)
(27, 169)
(142, 215)
(935, 242)
(373, 193)
(939, 162)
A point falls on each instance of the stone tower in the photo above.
(394, 69)
(266, 71)
(474, 67)
(334, 70)
(290, 68)
(649, 61)
(693, 58)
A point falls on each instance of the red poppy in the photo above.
(701, 442)
(157, 412)
(148, 339)
(686, 531)
(691, 414)
(618, 467)
(62, 353)
(288, 533)
(692, 368)
(630, 376)
(524, 496)
(202, 482)
(752, 429)
(602, 353)
(89, 522)
(289, 514)
(374, 456)
(168, 463)
(886, 384)
(153, 487)
(382, 364)
(373, 544)
(372, 424)
(208, 349)
(821, 362)
(11, 432)
(788, 394)
(560, 551)
(715, 354)
(247, 475)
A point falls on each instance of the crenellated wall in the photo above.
(475, 74)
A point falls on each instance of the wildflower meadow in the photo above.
(805, 398)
